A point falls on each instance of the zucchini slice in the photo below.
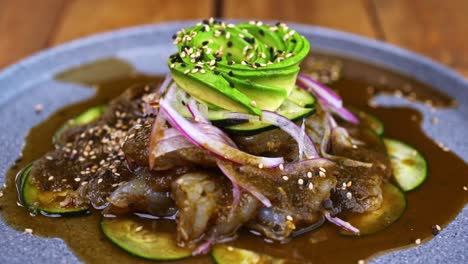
(139, 240)
(301, 97)
(288, 109)
(84, 118)
(45, 202)
(370, 121)
(223, 254)
(409, 165)
(393, 206)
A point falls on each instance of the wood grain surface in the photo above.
(437, 29)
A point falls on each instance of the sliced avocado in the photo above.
(213, 90)
(243, 68)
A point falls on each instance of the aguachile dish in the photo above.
(236, 137)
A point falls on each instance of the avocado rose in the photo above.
(246, 67)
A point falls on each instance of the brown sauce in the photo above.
(437, 201)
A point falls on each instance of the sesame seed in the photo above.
(231, 84)
(260, 165)
(228, 35)
(139, 228)
(195, 70)
(465, 188)
(281, 166)
(77, 179)
(253, 103)
(349, 184)
(38, 108)
(50, 178)
(229, 44)
(361, 261)
(436, 229)
(99, 181)
(285, 178)
(311, 186)
(289, 218)
(417, 241)
(28, 231)
(321, 174)
(300, 181)
(349, 195)
(229, 248)
(203, 71)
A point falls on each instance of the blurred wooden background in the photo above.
(437, 29)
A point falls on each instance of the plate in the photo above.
(145, 50)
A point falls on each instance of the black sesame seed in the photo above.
(218, 59)
(185, 47)
(249, 40)
(257, 64)
(229, 44)
(271, 50)
(229, 54)
(261, 32)
(280, 51)
(222, 31)
(183, 64)
(174, 36)
(206, 22)
(173, 60)
(204, 43)
(435, 231)
(198, 66)
(173, 56)
(231, 84)
(293, 40)
(230, 62)
(216, 72)
(278, 24)
(230, 73)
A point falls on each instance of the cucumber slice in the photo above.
(84, 118)
(370, 121)
(223, 254)
(288, 109)
(301, 97)
(45, 202)
(393, 206)
(145, 243)
(409, 165)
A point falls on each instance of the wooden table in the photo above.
(437, 29)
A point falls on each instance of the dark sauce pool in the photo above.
(441, 193)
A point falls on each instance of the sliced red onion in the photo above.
(192, 106)
(157, 132)
(231, 174)
(203, 249)
(327, 97)
(304, 143)
(341, 223)
(165, 84)
(199, 137)
(321, 91)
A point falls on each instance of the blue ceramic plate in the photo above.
(146, 48)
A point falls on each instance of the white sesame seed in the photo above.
(229, 248)
(28, 231)
(300, 181)
(281, 166)
(309, 174)
(321, 174)
(139, 228)
(438, 227)
(465, 188)
(77, 179)
(289, 218)
(241, 35)
(38, 108)
(203, 71)
(251, 22)
(194, 70)
(311, 186)
(50, 178)
(285, 178)
(172, 66)
(182, 54)
(417, 241)
(99, 181)
(361, 261)
(253, 103)
(228, 35)
(230, 25)
(349, 195)
(260, 165)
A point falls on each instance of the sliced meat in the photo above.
(147, 192)
(196, 195)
